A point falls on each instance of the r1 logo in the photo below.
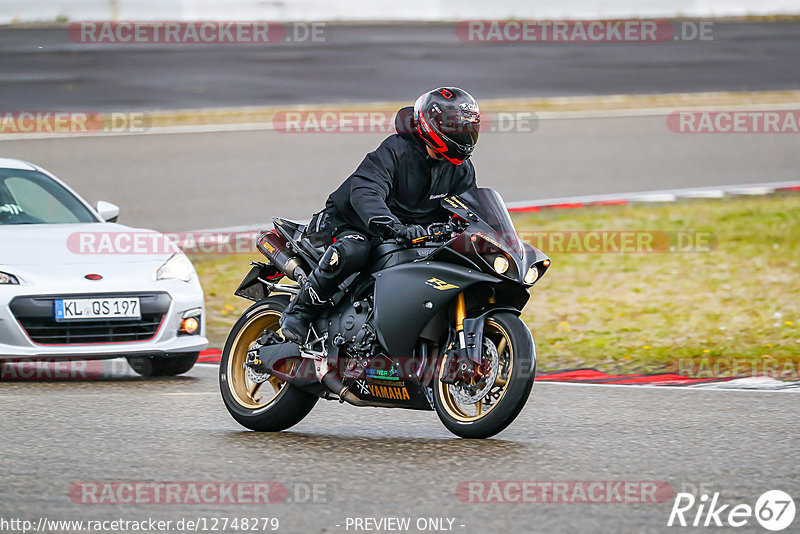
(775, 510)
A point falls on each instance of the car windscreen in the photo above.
(489, 206)
(30, 197)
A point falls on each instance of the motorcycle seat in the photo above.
(314, 252)
(297, 231)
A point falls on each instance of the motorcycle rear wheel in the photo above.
(282, 407)
(511, 342)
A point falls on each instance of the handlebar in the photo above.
(437, 232)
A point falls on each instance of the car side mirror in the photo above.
(107, 211)
(382, 226)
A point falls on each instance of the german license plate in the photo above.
(97, 309)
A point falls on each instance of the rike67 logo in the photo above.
(774, 510)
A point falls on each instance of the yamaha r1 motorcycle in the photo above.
(430, 325)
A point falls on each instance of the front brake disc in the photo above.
(466, 393)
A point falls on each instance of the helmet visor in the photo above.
(461, 129)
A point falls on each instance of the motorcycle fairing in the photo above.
(409, 295)
(403, 393)
(490, 221)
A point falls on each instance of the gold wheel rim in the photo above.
(499, 336)
(247, 393)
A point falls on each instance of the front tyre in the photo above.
(259, 402)
(510, 354)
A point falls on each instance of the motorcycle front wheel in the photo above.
(259, 402)
(481, 409)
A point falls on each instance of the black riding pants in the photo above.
(347, 255)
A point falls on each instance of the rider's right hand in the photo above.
(407, 233)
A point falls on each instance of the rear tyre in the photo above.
(507, 339)
(268, 406)
(171, 365)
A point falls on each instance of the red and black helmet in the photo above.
(448, 120)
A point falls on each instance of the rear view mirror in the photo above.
(107, 211)
(382, 226)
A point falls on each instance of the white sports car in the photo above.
(76, 285)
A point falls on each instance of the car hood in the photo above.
(92, 244)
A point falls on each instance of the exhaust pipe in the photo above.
(273, 246)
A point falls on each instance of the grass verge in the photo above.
(780, 99)
(731, 310)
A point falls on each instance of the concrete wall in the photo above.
(48, 10)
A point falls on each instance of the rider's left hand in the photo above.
(409, 232)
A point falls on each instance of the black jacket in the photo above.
(401, 180)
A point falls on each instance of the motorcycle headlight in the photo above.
(178, 267)
(500, 264)
(7, 279)
(531, 275)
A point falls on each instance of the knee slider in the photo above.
(330, 260)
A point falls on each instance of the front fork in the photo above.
(461, 314)
(461, 362)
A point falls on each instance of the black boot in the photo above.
(302, 311)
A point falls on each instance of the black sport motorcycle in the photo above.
(428, 325)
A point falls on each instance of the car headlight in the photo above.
(500, 264)
(531, 275)
(178, 267)
(7, 279)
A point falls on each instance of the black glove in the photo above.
(409, 232)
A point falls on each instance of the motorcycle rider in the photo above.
(405, 178)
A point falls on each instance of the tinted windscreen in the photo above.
(30, 197)
(489, 206)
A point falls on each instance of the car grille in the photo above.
(37, 317)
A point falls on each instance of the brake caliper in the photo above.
(459, 367)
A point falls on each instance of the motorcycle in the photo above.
(428, 325)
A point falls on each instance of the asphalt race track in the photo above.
(371, 462)
(212, 180)
(44, 69)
